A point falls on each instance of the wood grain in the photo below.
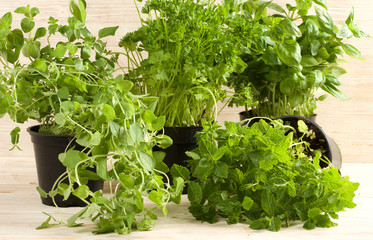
(349, 123)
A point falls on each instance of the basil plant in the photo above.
(294, 63)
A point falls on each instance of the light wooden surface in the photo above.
(21, 211)
(349, 123)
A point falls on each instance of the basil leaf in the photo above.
(289, 52)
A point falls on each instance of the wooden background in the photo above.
(349, 123)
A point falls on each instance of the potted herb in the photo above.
(265, 176)
(294, 60)
(48, 83)
(183, 53)
(71, 89)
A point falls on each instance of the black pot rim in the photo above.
(33, 130)
(317, 126)
(246, 114)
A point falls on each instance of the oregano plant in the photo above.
(72, 87)
(263, 176)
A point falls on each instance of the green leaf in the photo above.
(7, 19)
(109, 112)
(67, 106)
(71, 222)
(325, 20)
(82, 192)
(101, 168)
(154, 123)
(194, 192)
(261, 10)
(276, 7)
(289, 52)
(220, 153)
(136, 133)
(22, 10)
(126, 180)
(290, 27)
(60, 50)
(95, 139)
(329, 88)
(321, 3)
(92, 209)
(274, 224)
(247, 203)
(41, 192)
(287, 85)
(302, 127)
(14, 135)
(63, 93)
(163, 141)
(64, 190)
(60, 119)
(40, 32)
(259, 224)
(309, 61)
(72, 48)
(83, 13)
(147, 161)
(71, 158)
(78, 11)
(180, 171)
(86, 53)
(156, 197)
(352, 51)
(27, 25)
(45, 224)
(16, 38)
(108, 31)
(124, 86)
(268, 202)
(221, 170)
(40, 65)
(203, 169)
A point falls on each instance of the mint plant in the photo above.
(263, 176)
(294, 63)
(183, 53)
(72, 88)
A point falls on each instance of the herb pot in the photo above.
(47, 147)
(183, 141)
(321, 141)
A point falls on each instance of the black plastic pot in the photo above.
(183, 141)
(332, 151)
(322, 141)
(47, 147)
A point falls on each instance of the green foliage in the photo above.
(190, 53)
(263, 177)
(294, 58)
(72, 88)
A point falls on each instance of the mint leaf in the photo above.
(180, 171)
(268, 202)
(194, 192)
(247, 203)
